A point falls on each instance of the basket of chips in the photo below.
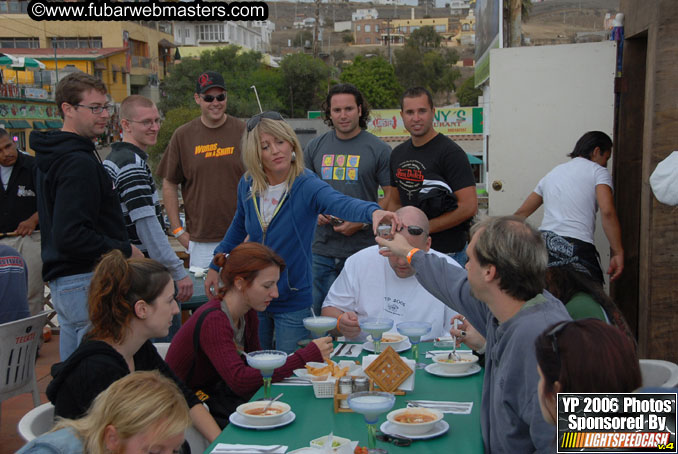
(325, 377)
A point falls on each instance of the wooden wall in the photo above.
(647, 133)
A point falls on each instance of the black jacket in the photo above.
(18, 202)
(80, 215)
(92, 368)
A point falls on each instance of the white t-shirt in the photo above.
(369, 287)
(5, 174)
(270, 200)
(569, 193)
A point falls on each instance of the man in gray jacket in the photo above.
(502, 295)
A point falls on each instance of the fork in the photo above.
(350, 349)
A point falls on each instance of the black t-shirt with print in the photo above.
(440, 159)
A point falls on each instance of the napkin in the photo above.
(444, 406)
(355, 350)
(227, 448)
(293, 381)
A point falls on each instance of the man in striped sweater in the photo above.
(133, 181)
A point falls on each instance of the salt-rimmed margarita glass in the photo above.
(320, 325)
(376, 326)
(371, 404)
(414, 331)
(266, 361)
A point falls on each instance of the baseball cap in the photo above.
(209, 79)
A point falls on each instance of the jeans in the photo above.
(69, 297)
(460, 257)
(325, 271)
(288, 328)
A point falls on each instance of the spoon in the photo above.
(271, 402)
(454, 354)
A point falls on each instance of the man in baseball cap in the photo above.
(203, 156)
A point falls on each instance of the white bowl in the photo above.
(449, 365)
(263, 420)
(414, 428)
(340, 445)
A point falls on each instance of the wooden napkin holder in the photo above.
(389, 371)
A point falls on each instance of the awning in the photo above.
(473, 159)
(99, 65)
(54, 124)
(19, 124)
(39, 125)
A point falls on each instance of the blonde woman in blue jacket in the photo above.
(278, 205)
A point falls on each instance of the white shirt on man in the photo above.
(569, 193)
(369, 287)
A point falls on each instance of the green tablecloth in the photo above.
(315, 417)
(199, 298)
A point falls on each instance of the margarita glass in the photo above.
(414, 331)
(371, 404)
(320, 325)
(376, 326)
(266, 361)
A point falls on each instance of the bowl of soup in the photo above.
(456, 366)
(414, 420)
(253, 412)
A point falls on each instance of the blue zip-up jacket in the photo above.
(291, 232)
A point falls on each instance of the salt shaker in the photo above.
(360, 384)
(345, 387)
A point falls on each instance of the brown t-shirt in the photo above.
(207, 163)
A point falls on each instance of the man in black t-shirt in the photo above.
(433, 173)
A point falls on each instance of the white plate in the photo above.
(239, 421)
(438, 428)
(399, 347)
(436, 369)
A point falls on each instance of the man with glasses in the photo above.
(133, 180)
(355, 163)
(203, 156)
(371, 285)
(80, 216)
(502, 295)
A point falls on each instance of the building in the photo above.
(254, 35)
(368, 31)
(467, 33)
(378, 31)
(407, 26)
(459, 7)
(364, 13)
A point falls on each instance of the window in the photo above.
(211, 32)
(187, 32)
(20, 43)
(376, 28)
(77, 42)
(440, 28)
(358, 27)
(368, 41)
(368, 29)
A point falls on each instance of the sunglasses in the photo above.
(414, 230)
(553, 334)
(209, 98)
(397, 441)
(254, 121)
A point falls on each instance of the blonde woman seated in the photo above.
(229, 327)
(130, 302)
(143, 412)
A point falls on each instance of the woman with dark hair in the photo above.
(228, 327)
(130, 301)
(571, 194)
(583, 356)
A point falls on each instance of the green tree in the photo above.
(240, 69)
(376, 79)
(424, 38)
(347, 38)
(467, 94)
(433, 69)
(304, 81)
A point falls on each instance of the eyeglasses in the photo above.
(397, 441)
(553, 334)
(148, 123)
(254, 121)
(96, 110)
(209, 98)
(414, 230)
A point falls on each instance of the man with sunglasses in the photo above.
(79, 210)
(502, 295)
(133, 180)
(203, 157)
(355, 163)
(371, 285)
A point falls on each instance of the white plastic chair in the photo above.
(659, 373)
(36, 422)
(19, 342)
(162, 348)
(196, 441)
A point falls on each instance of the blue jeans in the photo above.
(460, 257)
(325, 271)
(288, 328)
(69, 297)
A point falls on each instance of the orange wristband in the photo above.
(177, 230)
(411, 253)
(339, 318)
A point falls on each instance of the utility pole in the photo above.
(315, 29)
(388, 40)
(515, 27)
